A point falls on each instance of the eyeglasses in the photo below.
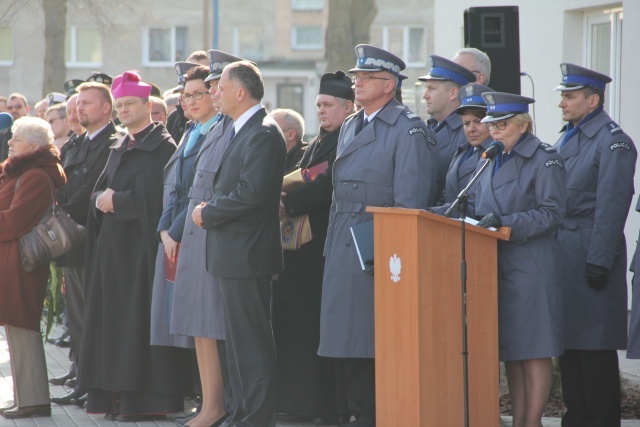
(365, 79)
(501, 125)
(126, 105)
(196, 96)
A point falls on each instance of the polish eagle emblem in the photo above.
(395, 266)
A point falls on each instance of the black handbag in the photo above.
(55, 235)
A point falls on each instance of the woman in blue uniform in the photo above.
(472, 110)
(525, 192)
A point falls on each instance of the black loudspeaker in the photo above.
(496, 31)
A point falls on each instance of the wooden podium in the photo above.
(418, 326)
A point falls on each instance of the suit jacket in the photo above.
(242, 218)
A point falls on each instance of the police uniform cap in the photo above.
(502, 106)
(99, 77)
(371, 58)
(182, 68)
(575, 77)
(70, 86)
(217, 61)
(54, 98)
(470, 96)
(336, 84)
(445, 70)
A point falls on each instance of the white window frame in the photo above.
(615, 17)
(73, 62)
(294, 38)
(235, 46)
(145, 46)
(405, 41)
(295, 5)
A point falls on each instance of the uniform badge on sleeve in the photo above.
(616, 145)
(555, 162)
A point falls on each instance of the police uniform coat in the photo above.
(460, 173)
(528, 194)
(450, 135)
(391, 162)
(178, 177)
(600, 163)
(633, 349)
(197, 303)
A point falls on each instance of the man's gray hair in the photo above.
(293, 119)
(481, 60)
(34, 130)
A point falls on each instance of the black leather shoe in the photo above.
(64, 336)
(79, 401)
(111, 417)
(186, 418)
(66, 399)
(28, 412)
(71, 383)
(6, 408)
(63, 342)
(138, 418)
(63, 379)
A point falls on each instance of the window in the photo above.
(291, 96)
(83, 47)
(409, 43)
(248, 42)
(603, 46)
(307, 4)
(6, 46)
(307, 38)
(164, 46)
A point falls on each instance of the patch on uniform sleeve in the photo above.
(424, 133)
(556, 162)
(624, 145)
(614, 128)
(410, 114)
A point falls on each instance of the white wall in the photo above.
(551, 32)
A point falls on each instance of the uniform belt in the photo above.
(349, 207)
(572, 223)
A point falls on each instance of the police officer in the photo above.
(527, 193)
(178, 119)
(600, 163)
(472, 110)
(386, 157)
(443, 84)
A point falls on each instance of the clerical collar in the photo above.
(142, 133)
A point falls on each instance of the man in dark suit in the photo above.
(243, 242)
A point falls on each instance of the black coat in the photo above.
(177, 123)
(116, 354)
(5, 136)
(293, 157)
(83, 163)
(306, 382)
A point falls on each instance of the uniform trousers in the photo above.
(590, 388)
(74, 296)
(250, 350)
(360, 383)
(28, 367)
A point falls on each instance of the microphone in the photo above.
(6, 120)
(494, 149)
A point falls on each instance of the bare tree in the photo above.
(349, 25)
(55, 28)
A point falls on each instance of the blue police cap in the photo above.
(502, 106)
(217, 61)
(444, 69)
(371, 58)
(575, 77)
(182, 68)
(470, 96)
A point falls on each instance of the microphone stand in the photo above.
(460, 204)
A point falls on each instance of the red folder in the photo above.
(312, 173)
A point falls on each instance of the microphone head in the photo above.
(494, 149)
(6, 120)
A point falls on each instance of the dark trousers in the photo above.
(591, 388)
(360, 383)
(250, 350)
(74, 296)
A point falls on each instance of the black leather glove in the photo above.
(597, 276)
(490, 220)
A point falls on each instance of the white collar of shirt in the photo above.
(93, 135)
(244, 118)
(372, 116)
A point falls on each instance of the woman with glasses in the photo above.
(524, 190)
(178, 176)
(472, 109)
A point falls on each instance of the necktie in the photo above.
(233, 132)
(467, 154)
(193, 138)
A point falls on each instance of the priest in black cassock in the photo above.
(126, 377)
(307, 383)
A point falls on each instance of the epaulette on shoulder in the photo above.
(548, 148)
(411, 115)
(614, 128)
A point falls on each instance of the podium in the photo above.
(418, 320)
